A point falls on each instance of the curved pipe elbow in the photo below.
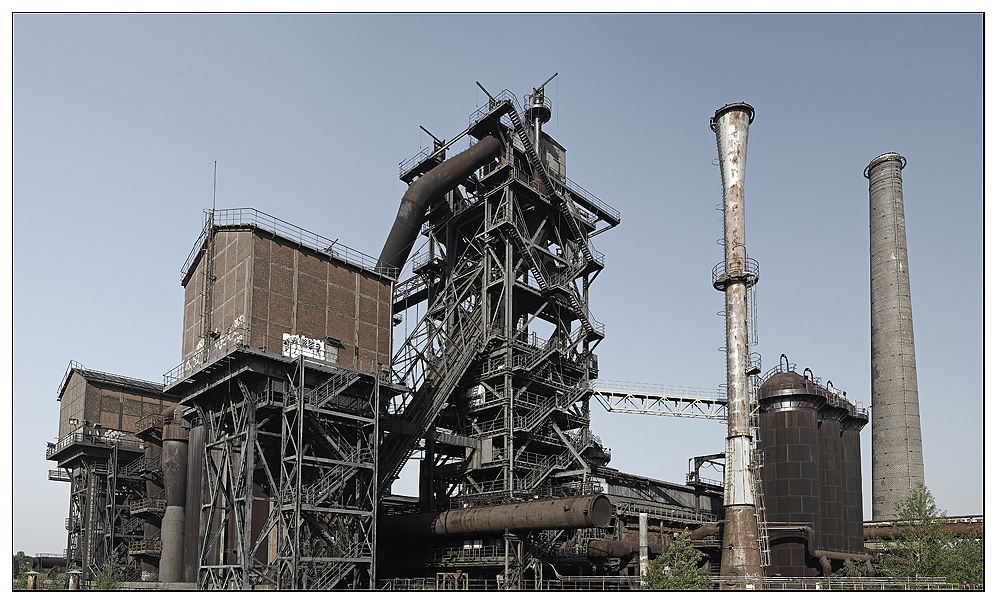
(427, 188)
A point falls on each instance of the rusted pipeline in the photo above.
(603, 549)
(704, 531)
(880, 533)
(559, 513)
(427, 188)
(824, 556)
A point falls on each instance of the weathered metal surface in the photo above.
(175, 458)
(742, 556)
(602, 549)
(558, 513)
(412, 210)
(897, 434)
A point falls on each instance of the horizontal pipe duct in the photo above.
(559, 513)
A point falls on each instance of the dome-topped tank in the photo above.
(809, 435)
(789, 440)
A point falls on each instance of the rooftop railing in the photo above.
(92, 436)
(322, 352)
(254, 218)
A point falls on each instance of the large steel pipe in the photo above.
(560, 513)
(175, 447)
(742, 556)
(603, 549)
(425, 189)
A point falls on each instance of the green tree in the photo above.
(110, 575)
(924, 547)
(967, 559)
(678, 568)
(21, 567)
(919, 547)
(852, 569)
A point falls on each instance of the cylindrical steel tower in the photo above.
(790, 478)
(175, 453)
(897, 433)
(740, 550)
(852, 485)
(832, 532)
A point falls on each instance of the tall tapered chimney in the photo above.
(897, 432)
(740, 553)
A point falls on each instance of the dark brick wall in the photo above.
(273, 287)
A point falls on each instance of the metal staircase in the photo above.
(428, 398)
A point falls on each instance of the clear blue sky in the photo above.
(116, 117)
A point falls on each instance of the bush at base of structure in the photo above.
(677, 568)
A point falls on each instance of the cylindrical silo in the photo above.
(788, 432)
(831, 535)
(852, 484)
(897, 434)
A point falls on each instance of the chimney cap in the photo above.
(885, 157)
(730, 107)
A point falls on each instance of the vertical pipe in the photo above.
(175, 451)
(897, 433)
(740, 555)
(192, 518)
(643, 544)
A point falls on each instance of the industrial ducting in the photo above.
(558, 513)
(427, 188)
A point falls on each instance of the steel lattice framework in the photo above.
(328, 491)
(661, 400)
(499, 366)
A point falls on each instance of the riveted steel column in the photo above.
(740, 555)
(897, 432)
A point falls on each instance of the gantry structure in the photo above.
(499, 366)
(283, 394)
(114, 504)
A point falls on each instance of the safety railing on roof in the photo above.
(251, 217)
(319, 350)
(494, 102)
(664, 390)
(92, 436)
(592, 199)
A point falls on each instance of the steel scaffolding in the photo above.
(500, 364)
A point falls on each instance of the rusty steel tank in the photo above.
(852, 481)
(788, 408)
(812, 475)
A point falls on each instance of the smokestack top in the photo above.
(884, 157)
(731, 107)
